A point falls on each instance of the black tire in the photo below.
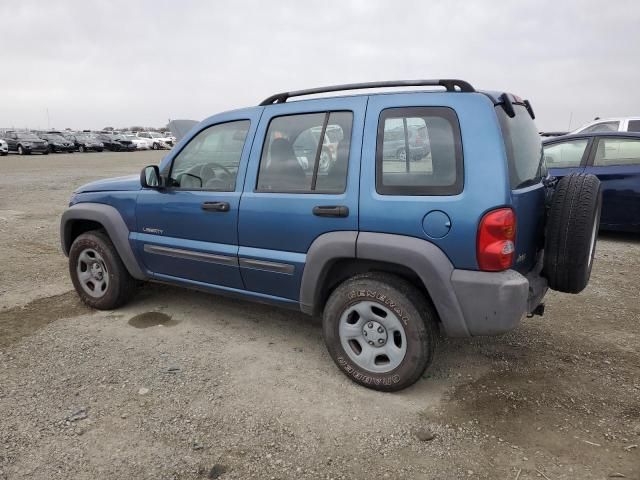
(46, 152)
(120, 283)
(20, 150)
(100, 150)
(82, 149)
(417, 317)
(572, 231)
(155, 146)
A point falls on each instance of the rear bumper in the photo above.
(494, 302)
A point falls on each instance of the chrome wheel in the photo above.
(325, 161)
(92, 273)
(373, 337)
(402, 155)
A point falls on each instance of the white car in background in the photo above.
(618, 124)
(158, 140)
(139, 142)
(4, 148)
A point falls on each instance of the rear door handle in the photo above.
(216, 206)
(331, 211)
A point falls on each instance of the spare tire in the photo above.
(572, 230)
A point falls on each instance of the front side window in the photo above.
(617, 151)
(419, 152)
(602, 127)
(306, 153)
(210, 160)
(565, 154)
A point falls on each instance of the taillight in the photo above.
(496, 237)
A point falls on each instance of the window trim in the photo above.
(178, 153)
(447, 113)
(327, 114)
(594, 150)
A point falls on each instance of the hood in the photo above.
(130, 182)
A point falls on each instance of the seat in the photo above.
(284, 171)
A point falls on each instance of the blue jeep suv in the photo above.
(461, 238)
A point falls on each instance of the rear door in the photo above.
(526, 170)
(297, 188)
(616, 162)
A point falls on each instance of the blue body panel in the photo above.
(258, 248)
(485, 176)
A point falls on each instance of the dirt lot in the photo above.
(207, 387)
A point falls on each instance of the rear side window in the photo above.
(634, 126)
(419, 152)
(617, 151)
(565, 154)
(523, 146)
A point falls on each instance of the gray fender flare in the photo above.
(429, 263)
(112, 222)
(322, 254)
(423, 257)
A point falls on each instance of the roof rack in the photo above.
(449, 84)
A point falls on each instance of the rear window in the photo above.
(523, 146)
(634, 126)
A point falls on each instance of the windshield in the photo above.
(155, 135)
(27, 136)
(54, 138)
(523, 146)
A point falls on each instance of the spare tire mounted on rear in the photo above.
(572, 230)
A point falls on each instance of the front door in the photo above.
(188, 230)
(302, 181)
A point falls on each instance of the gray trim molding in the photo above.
(275, 267)
(191, 255)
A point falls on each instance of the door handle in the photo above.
(216, 206)
(331, 211)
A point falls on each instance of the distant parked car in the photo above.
(57, 143)
(619, 124)
(4, 148)
(115, 142)
(614, 157)
(139, 142)
(85, 142)
(25, 143)
(395, 142)
(158, 140)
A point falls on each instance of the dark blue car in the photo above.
(614, 157)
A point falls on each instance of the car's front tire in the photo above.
(380, 331)
(97, 272)
(20, 150)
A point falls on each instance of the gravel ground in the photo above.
(184, 385)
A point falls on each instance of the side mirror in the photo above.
(150, 177)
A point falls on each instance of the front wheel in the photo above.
(20, 150)
(97, 272)
(380, 331)
(82, 149)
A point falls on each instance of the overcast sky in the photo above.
(123, 63)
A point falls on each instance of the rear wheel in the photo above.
(97, 272)
(20, 150)
(401, 155)
(82, 149)
(572, 231)
(380, 331)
